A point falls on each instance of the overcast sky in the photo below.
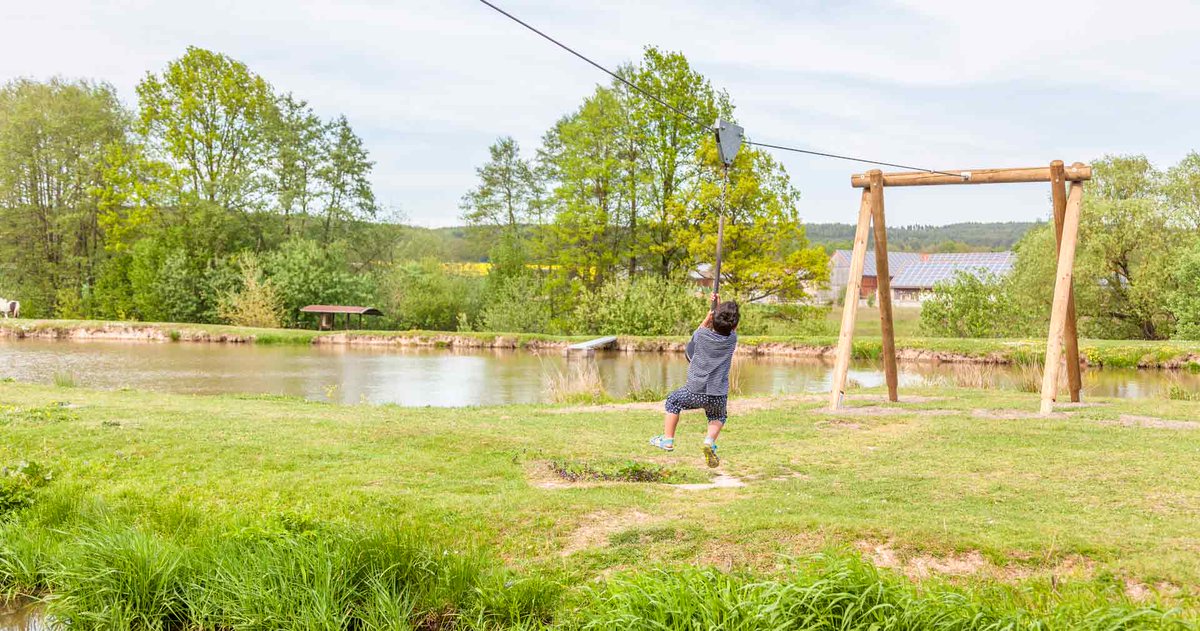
(939, 84)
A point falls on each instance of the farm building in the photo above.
(913, 275)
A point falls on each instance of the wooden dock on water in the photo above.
(589, 347)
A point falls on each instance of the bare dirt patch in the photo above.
(880, 410)
(882, 398)
(971, 563)
(736, 405)
(838, 423)
(1151, 422)
(1015, 415)
(721, 481)
(922, 566)
(598, 527)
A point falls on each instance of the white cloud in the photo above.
(430, 84)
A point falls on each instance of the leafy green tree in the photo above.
(507, 193)
(211, 118)
(1182, 188)
(1127, 242)
(1184, 301)
(504, 202)
(297, 138)
(166, 283)
(345, 176)
(582, 156)
(670, 143)
(1129, 238)
(55, 138)
(766, 253)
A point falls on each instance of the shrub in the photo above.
(644, 306)
(969, 305)
(517, 305)
(1184, 302)
(256, 303)
(304, 273)
(425, 295)
(804, 320)
(18, 483)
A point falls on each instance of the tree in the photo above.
(297, 156)
(1126, 248)
(1182, 188)
(766, 253)
(506, 197)
(1128, 238)
(211, 119)
(582, 158)
(55, 140)
(345, 176)
(304, 272)
(671, 143)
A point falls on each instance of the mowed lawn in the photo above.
(905, 318)
(969, 487)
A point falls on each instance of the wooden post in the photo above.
(1062, 293)
(1058, 190)
(841, 364)
(886, 329)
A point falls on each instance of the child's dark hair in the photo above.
(726, 317)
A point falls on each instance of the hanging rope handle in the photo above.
(720, 239)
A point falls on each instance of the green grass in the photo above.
(274, 513)
(906, 321)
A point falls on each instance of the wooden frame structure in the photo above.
(327, 315)
(1062, 314)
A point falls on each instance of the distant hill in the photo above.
(955, 237)
(457, 244)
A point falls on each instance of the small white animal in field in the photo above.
(11, 308)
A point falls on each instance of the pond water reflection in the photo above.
(440, 377)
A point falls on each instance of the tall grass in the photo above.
(110, 569)
(579, 383)
(640, 388)
(107, 572)
(837, 593)
(65, 379)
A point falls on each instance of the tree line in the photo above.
(217, 198)
(167, 210)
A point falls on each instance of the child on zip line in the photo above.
(707, 386)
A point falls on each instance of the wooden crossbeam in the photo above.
(1074, 173)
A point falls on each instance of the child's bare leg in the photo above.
(714, 430)
(670, 421)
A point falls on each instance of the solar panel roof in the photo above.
(939, 267)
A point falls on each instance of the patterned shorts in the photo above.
(684, 399)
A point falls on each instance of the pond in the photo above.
(441, 377)
(21, 617)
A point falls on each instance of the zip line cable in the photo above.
(659, 101)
